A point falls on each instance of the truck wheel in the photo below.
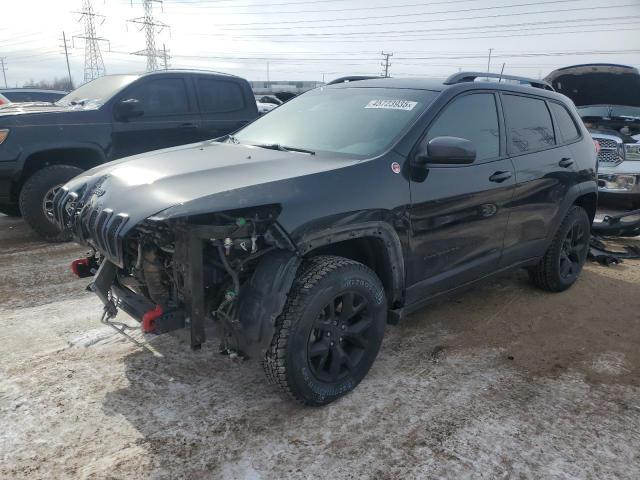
(36, 199)
(329, 332)
(565, 257)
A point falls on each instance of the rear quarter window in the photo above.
(529, 125)
(565, 122)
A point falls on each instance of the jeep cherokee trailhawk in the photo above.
(346, 208)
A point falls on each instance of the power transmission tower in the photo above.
(150, 27)
(93, 63)
(385, 64)
(65, 45)
(3, 64)
(165, 57)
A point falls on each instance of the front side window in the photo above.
(163, 96)
(565, 122)
(474, 118)
(353, 121)
(219, 95)
(529, 124)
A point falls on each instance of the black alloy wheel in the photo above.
(339, 339)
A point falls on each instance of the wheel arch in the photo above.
(81, 156)
(374, 244)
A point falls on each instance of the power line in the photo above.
(377, 33)
(273, 25)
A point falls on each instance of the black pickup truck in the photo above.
(44, 145)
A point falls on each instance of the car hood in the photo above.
(39, 107)
(598, 84)
(147, 184)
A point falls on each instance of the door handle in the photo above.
(500, 177)
(188, 125)
(565, 162)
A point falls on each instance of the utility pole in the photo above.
(150, 27)
(4, 67)
(66, 54)
(267, 72)
(385, 64)
(93, 63)
(489, 63)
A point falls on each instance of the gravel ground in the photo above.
(502, 382)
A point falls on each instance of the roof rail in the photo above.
(462, 77)
(352, 78)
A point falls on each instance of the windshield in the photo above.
(97, 91)
(357, 121)
(609, 111)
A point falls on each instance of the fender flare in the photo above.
(375, 229)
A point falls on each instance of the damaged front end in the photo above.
(233, 269)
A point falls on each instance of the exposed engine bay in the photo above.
(182, 273)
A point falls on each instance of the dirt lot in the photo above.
(502, 382)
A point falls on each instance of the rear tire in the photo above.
(565, 257)
(329, 332)
(36, 196)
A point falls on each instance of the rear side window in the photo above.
(474, 118)
(163, 96)
(529, 124)
(565, 122)
(219, 95)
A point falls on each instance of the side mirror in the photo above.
(446, 151)
(126, 109)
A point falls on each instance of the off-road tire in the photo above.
(547, 273)
(32, 196)
(320, 281)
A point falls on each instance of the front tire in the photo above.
(329, 332)
(36, 199)
(565, 257)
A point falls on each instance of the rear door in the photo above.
(459, 213)
(226, 105)
(170, 116)
(545, 172)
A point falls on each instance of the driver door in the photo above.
(459, 213)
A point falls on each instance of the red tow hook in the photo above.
(149, 319)
(81, 267)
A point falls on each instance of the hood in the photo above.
(598, 84)
(39, 107)
(146, 184)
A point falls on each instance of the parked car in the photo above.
(22, 95)
(608, 100)
(348, 207)
(42, 146)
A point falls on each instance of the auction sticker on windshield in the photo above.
(392, 104)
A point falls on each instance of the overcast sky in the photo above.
(309, 39)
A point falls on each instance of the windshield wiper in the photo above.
(284, 148)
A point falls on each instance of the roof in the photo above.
(192, 71)
(382, 82)
(438, 85)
